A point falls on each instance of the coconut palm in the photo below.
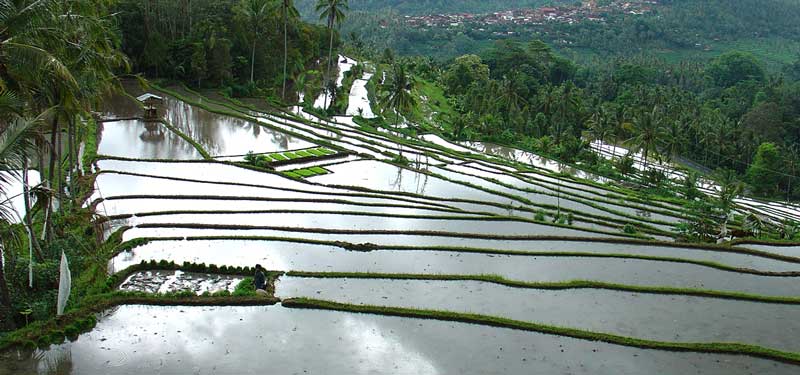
(254, 14)
(674, 140)
(647, 133)
(288, 11)
(599, 127)
(332, 11)
(398, 97)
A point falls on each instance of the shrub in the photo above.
(629, 229)
(245, 287)
(539, 216)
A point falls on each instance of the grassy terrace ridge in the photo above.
(566, 194)
(187, 138)
(566, 285)
(450, 152)
(368, 247)
(338, 130)
(267, 199)
(757, 241)
(390, 195)
(621, 241)
(357, 231)
(610, 198)
(90, 146)
(314, 212)
(525, 201)
(714, 347)
(361, 194)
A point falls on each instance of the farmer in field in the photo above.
(260, 280)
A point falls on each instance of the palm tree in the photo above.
(674, 140)
(254, 14)
(333, 12)
(599, 126)
(647, 133)
(17, 142)
(288, 11)
(398, 97)
(729, 188)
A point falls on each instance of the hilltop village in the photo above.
(588, 11)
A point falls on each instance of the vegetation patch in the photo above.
(306, 172)
(722, 348)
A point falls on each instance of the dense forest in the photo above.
(680, 29)
(729, 118)
(215, 43)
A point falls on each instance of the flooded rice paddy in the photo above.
(248, 340)
(454, 209)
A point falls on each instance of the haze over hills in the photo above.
(671, 29)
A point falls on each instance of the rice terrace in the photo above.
(365, 220)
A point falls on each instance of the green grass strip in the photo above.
(277, 157)
(189, 139)
(492, 321)
(565, 285)
(319, 170)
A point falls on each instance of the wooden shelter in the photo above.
(151, 103)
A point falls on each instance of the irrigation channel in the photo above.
(470, 259)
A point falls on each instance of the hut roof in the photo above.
(148, 97)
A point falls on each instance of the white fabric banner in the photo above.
(64, 285)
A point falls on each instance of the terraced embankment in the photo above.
(455, 262)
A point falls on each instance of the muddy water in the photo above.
(284, 256)
(655, 317)
(250, 340)
(178, 281)
(135, 139)
(226, 136)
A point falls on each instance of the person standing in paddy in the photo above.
(260, 280)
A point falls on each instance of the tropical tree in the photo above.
(647, 132)
(254, 14)
(599, 127)
(398, 97)
(729, 188)
(288, 12)
(674, 140)
(17, 142)
(332, 11)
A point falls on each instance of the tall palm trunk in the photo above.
(285, 49)
(6, 309)
(253, 60)
(330, 58)
(33, 244)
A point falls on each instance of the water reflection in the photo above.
(227, 136)
(246, 340)
(140, 140)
